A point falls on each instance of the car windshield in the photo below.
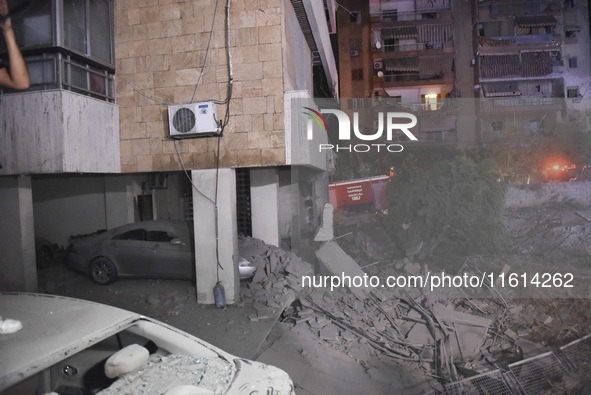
(171, 359)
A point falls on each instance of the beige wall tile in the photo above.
(272, 51)
(273, 157)
(272, 69)
(247, 157)
(268, 16)
(160, 49)
(269, 34)
(133, 16)
(149, 14)
(145, 163)
(170, 12)
(248, 71)
(164, 162)
(254, 105)
(272, 86)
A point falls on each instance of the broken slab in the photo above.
(470, 330)
(326, 231)
(338, 263)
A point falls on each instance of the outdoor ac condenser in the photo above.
(193, 120)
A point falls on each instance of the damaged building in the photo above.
(99, 138)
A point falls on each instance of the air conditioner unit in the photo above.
(378, 64)
(354, 53)
(193, 120)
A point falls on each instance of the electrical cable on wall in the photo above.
(223, 123)
(215, 12)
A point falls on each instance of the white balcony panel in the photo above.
(58, 132)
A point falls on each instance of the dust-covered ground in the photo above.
(541, 303)
(390, 340)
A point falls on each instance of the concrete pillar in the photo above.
(204, 214)
(264, 191)
(17, 235)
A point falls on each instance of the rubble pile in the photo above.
(435, 336)
(555, 231)
(447, 338)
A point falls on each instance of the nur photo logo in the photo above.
(389, 122)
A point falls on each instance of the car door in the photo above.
(129, 250)
(169, 255)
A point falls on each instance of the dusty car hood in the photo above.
(42, 341)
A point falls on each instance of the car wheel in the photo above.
(44, 256)
(103, 271)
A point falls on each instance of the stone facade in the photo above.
(160, 47)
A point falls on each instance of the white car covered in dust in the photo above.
(71, 346)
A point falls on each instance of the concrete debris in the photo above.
(444, 340)
(545, 319)
(326, 231)
(337, 262)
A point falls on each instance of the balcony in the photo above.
(435, 37)
(520, 104)
(424, 10)
(509, 8)
(59, 131)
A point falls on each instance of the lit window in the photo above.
(431, 101)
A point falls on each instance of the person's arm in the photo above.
(16, 76)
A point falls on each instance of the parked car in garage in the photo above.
(150, 249)
(71, 346)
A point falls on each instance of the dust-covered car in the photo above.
(150, 249)
(71, 346)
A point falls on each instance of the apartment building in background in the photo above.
(526, 64)
(533, 64)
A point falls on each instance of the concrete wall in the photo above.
(160, 50)
(297, 70)
(527, 196)
(216, 221)
(17, 243)
(68, 205)
(265, 203)
(58, 131)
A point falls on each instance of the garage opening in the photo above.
(243, 207)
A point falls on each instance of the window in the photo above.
(438, 135)
(135, 234)
(389, 45)
(431, 100)
(355, 17)
(496, 126)
(69, 44)
(357, 104)
(572, 91)
(159, 235)
(390, 16)
(572, 62)
(357, 74)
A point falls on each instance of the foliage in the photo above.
(523, 157)
(453, 209)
